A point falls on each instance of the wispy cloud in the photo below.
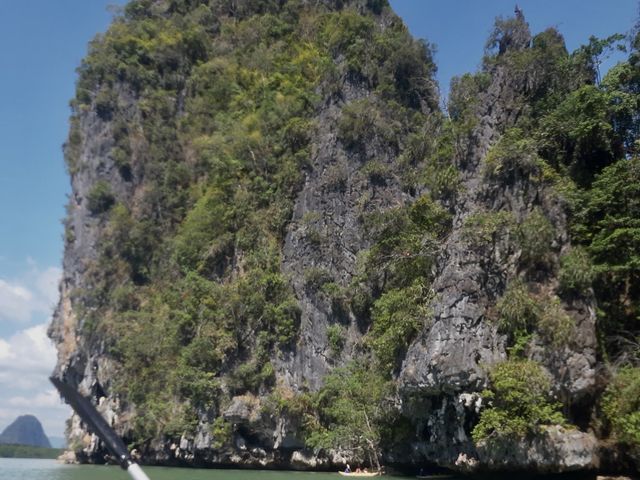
(35, 292)
(16, 302)
(27, 354)
(44, 399)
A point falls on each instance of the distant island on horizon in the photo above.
(25, 438)
(25, 430)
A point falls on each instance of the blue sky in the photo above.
(41, 44)
(459, 28)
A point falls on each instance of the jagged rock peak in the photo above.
(510, 34)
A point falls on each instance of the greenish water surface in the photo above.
(37, 469)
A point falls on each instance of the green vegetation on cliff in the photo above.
(586, 129)
(621, 405)
(221, 140)
(581, 141)
(212, 111)
(519, 402)
(352, 409)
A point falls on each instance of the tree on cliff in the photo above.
(351, 409)
(519, 403)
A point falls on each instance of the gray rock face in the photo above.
(25, 430)
(447, 364)
(453, 354)
(326, 234)
(94, 163)
(555, 450)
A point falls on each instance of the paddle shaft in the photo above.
(136, 472)
(90, 416)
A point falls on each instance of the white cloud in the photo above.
(27, 358)
(36, 292)
(48, 398)
(47, 284)
(4, 350)
(16, 302)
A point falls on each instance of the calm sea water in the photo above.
(31, 469)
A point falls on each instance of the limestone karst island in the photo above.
(285, 250)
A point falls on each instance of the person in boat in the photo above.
(358, 470)
(347, 469)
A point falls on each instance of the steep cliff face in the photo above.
(265, 194)
(447, 365)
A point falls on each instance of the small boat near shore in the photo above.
(360, 474)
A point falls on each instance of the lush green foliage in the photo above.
(555, 325)
(576, 272)
(519, 402)
(399, 266)
(396, 66)
(535, 235)
(221, 431)
(608, 226)
(579, 134)
(336, 338)
(514, 155)
(621, 406)
(351, 411)
(187, 292)
(397, 317)
(100, 198)
(405, 242)
(518, 311)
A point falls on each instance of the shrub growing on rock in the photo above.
(100, 198)
(518, 311)
(351, 411)
(554, 324)
(336, 338)
(520, 314)
(535, 235)
(513, 154)
(576, 271)
(519, 402)
(482, 228)
(398, 316)
(621, 406)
